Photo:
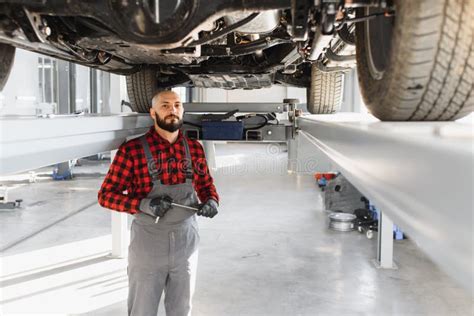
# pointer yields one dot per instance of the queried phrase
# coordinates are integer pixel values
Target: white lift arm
(29, 142)
(420, 174)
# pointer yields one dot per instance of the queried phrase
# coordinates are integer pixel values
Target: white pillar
(292, 147)
(210, 151)
(385, 243)
(120, 233)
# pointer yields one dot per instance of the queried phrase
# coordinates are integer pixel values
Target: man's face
(167, 111)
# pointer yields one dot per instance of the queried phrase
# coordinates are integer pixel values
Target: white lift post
(119, 227)
(210, 152)
(120, 235)
(384, 258)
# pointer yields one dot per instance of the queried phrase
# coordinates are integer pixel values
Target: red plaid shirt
(128, 180)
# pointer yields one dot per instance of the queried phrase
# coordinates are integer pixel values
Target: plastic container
(222, 130)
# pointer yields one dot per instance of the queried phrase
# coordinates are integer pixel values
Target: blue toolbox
(222, 130)
(222, 126)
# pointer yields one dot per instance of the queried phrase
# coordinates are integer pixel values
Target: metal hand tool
(191, 208)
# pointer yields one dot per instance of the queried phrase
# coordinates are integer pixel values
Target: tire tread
(325, 94)
(141, 87)
(433, 72)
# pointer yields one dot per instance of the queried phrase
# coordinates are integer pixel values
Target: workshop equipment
(4, 203)
(222, 130)
(322, 179)
(398, 234)
(63, 170)
(222, 126)
(342, 222)
(366, 222)
(341, 195)
(10, 205)
(367, 219)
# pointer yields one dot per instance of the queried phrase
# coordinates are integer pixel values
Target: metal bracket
(300, 16)
(330, 54)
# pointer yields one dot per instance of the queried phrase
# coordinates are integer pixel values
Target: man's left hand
(208, 209)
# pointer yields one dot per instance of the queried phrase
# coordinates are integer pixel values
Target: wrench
(190, 208)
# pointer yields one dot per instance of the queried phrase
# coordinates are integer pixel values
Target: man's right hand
(160, 205)
(156, 207)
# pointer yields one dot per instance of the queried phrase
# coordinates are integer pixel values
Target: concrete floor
(268, 252)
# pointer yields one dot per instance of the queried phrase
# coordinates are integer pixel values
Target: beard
(171, 126)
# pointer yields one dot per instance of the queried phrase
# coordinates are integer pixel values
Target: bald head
(167, 111)
(165, 95)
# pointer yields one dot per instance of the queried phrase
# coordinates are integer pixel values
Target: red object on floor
(328, 176)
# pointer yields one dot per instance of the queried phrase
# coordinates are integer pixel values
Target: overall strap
(150, 161)
(189, 163)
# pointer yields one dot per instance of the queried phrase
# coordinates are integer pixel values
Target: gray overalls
(163, 255)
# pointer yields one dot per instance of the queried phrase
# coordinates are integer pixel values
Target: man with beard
(147, 175)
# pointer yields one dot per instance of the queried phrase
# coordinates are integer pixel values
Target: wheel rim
(378, 41)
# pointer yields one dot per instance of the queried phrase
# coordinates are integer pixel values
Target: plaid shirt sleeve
(203, 181)
(114, 189)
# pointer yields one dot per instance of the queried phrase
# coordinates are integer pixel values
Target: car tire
(324, 96)
(142, 87)
(418, 65)
(7, 57)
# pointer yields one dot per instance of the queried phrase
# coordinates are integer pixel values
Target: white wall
(21, 93)
(352, 99)
(118, 92)
(83, 88)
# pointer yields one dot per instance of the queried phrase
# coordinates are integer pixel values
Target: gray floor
(268, 252)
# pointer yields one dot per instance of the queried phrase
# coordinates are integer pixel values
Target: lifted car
(415, 59)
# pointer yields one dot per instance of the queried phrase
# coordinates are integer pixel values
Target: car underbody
(237, 44)
(195, 42)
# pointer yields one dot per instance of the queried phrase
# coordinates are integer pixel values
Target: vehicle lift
(419, 174)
